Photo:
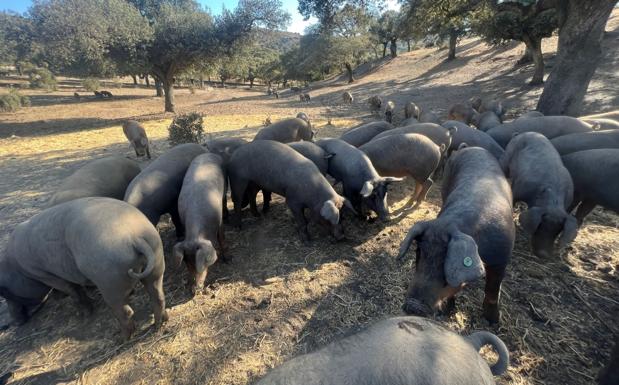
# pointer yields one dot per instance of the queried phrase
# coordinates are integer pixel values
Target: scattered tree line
(176, 40)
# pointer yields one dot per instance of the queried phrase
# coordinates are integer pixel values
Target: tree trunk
(534, 46)
(135, 80)
(146, 80)
(385, 48)
(578, 55)
(453, 40)
(408, 45)
(251, 83)
(394, 47)
(351, 77)
(526, 58)
(168, 86)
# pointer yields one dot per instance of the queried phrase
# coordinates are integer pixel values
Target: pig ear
(367, 189)
(330, 212)
(531, 219)
(570, 230)
(179, 253)
(462, 263)
(414, 233)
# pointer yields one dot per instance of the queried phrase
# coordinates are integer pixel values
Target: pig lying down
(100, 242)
(473, 233)
(396, 351)
(106, 177)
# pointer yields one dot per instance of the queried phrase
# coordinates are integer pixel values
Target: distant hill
(280, 41)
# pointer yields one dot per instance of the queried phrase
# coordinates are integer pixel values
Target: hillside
(278, 297)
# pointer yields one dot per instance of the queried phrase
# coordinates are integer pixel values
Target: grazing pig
(595, 174)
(407, 122)
(347, 97)
(530, 115)
(224, 146)
(438, 134)
(361, 183)
(539, 179)
(404, 155)
(549, 126)
(486, 120)
(567, 144)
(473, 232)
(375, 102)
(488, 105)
(411, 110)
(277, 168)
(136, 135)
(155, 190)
(106, 177)
(472, 137)
(303, 115)
(314, 153)
(389, 109)
(200, 211)
(362, 134)
(428, 116)
(100, 242)
(396, 351)
(462, 112)
(286, 131)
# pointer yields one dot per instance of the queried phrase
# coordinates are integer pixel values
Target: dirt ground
(278, 298)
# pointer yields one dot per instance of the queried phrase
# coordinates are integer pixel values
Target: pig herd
(100, 225)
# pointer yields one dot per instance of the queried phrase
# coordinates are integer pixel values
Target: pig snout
(414, 306)
(337, 231)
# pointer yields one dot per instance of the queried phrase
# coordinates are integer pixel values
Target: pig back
(155, 190)
(395, 351)
(275, 167)
(285, 131)
(107, 177)
(403, 154)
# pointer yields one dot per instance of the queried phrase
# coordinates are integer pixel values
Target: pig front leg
(492, 292)
(583, 210)
(299, 216)
(178, 224)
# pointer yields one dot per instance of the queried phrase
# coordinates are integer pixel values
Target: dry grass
(277, 297)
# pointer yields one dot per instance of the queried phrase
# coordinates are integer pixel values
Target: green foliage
(514, 21)
(326, 10)
(42, 78)
(90, 84)
(186, 128)
(13, 101)
(86, 37)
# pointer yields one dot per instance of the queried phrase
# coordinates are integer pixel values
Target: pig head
(446, 259)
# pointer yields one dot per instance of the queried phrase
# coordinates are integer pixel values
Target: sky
(297, 24)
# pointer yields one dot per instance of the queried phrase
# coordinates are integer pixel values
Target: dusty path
(277, 297)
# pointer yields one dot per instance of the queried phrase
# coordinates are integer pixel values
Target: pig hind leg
(424, 190)
(178, 224)
(492, 291)
(116, 295)
(154, 287)
(238, 187)
(71, 289)
(583, 210)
